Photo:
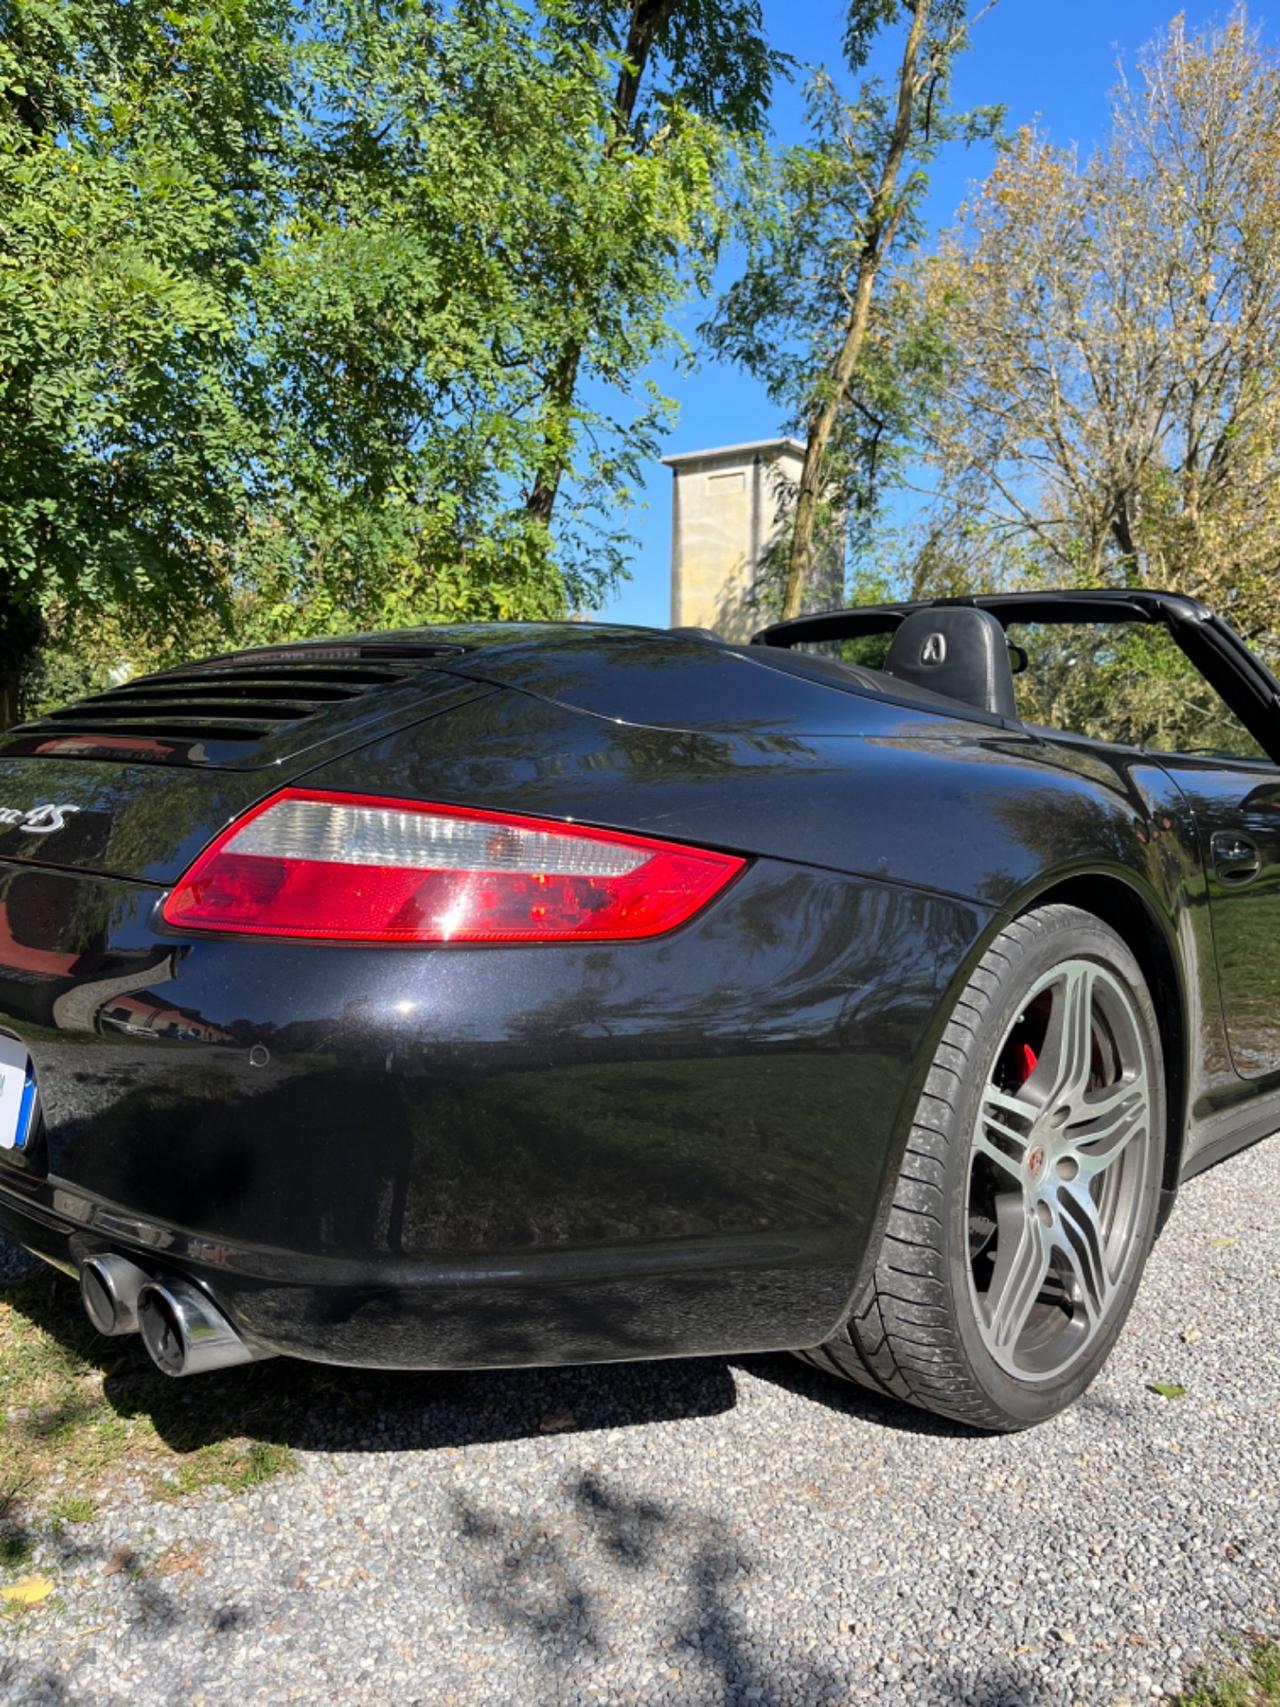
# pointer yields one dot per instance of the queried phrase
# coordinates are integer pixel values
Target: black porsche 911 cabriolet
(533, 994)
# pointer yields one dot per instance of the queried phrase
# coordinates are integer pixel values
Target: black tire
(919, 1330)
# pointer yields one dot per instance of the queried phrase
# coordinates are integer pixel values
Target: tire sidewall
(1063, 934)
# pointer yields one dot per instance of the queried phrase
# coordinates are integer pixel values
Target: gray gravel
(727, 1531)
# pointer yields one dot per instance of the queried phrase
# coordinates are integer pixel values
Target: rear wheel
(1026, 1202)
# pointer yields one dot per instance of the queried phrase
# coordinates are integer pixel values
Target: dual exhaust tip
(183, 1330)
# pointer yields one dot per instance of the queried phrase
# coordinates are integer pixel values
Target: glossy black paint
(149, 818)
(456, 1156)
(459, 1130)
(1235, 805)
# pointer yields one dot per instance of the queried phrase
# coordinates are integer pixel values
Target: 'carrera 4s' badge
(38, 820)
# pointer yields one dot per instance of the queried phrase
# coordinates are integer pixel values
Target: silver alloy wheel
(1058, 1163)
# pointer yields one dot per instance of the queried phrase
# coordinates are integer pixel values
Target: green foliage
(809, 217)
(1123, 682)
(472, 216)
(869, 587)
(132, 142)
(72, 1508)
(285, 288)
(710, 57)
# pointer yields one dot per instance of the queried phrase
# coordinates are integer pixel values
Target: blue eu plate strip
(24, 1112)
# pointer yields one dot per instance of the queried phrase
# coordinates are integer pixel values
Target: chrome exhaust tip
(109, 1288)
(185, 1332)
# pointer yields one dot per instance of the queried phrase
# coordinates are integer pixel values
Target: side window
(1126, 682)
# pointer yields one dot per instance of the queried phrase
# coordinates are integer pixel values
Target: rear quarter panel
(989, 816)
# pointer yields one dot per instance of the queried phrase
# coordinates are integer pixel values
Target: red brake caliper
(1029, 1059)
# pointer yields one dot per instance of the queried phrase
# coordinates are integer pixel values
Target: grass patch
(236, 1465)
(1251, 1678)
(73, 1508)
(78, 1411)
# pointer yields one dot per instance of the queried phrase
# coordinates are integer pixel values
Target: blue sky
(1048, 61)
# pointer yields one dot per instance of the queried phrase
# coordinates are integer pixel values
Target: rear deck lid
(135, 781)
(244, 711)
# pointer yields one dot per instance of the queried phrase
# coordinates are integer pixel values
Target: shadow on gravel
(555, 1586)
(850, 1400)
(555, 1580)
(324, 1408)
(556, 1583)
(328, 1409)
(561, 1583)
(149, 1608)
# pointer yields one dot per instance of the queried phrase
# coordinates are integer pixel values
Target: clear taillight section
(354, 868)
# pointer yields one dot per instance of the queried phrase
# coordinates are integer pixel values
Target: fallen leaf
(28, 1591)
(1167, 1389)
(120, 1560)
(1222, 1241)
(1189, 1336)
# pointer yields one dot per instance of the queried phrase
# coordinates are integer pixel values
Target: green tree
(286, 286)
(137, 157)
(707, 57)
(462, 184)
(1110, 411)
(803, 316)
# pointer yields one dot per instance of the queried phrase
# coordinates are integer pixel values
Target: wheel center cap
(1036, 1159)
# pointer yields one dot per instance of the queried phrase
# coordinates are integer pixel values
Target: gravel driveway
(734, 1530)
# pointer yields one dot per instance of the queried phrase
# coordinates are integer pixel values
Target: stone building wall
(725, 505)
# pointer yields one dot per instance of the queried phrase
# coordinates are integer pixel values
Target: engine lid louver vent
(244, 710)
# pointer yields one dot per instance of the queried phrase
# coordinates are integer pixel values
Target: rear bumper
(589, 1306)
(450, 1158)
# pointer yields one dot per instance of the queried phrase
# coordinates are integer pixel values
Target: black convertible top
(1093, 604)
(1212, 645)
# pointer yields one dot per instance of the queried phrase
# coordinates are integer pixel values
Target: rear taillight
(351, 868)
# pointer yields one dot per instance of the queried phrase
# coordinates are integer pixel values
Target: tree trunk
(21, 630)
(647, 19)
(10, 696)
(882, 223)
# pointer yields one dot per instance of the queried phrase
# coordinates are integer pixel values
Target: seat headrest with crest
(958, 651)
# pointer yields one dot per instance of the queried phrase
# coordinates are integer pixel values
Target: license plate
(17, 1093)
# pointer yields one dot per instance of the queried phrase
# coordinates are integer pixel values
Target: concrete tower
(724, 509)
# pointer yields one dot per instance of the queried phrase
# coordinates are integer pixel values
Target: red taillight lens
(351, 868)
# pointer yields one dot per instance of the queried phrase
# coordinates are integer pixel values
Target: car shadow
(327, 1408)
(547, 1580)
(848, 1399)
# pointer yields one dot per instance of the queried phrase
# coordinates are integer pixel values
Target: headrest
(958, 651)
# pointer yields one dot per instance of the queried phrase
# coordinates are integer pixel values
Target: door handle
(1235, 858)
